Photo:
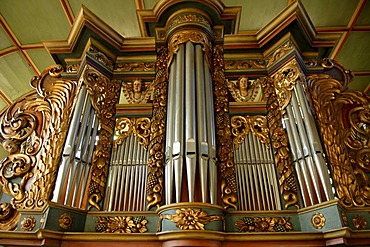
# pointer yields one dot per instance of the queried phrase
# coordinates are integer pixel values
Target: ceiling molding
(350, 26)
(8, 50)
(67, 11)
(5, 97)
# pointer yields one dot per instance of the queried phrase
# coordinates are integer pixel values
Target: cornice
(293, 12)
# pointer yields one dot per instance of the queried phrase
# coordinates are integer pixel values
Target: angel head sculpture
(243, 90)
(136, 91)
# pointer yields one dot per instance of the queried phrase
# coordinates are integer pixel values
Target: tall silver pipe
(274, 179)
(133, 170)
(265, 185)
(145, 179)
(248, 175)
(211, 133)
(314, 141)
(190, 119)
(125, 174)
(306, 149)
(267, 177)
(169, 132)
(262, 178)
(254, 168)
(203, 147)
(297, 142)
(178, 146)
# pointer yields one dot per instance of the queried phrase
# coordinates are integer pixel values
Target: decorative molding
(287, 181)
(100, 56)
(104, 94)
(264, 224)
(135, 67)
(245, 64)
(191, 219)
(318, 220)
(28, 223)
(279, 53)
(121, 224)
(65, 221)
(223, 131)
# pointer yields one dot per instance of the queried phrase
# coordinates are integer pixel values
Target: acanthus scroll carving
(104, 95)
(139, 126)
(33, 132)
(343, 118)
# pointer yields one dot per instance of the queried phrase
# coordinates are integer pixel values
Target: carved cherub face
(137, 86)
(243, 83)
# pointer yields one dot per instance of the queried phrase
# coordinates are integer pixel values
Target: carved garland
(157, 131)
(104, 97)
(264, 224)
(343, 119)
(121, 224)
(287, 181)
(242, 125)
(223, 131)
(33, 132)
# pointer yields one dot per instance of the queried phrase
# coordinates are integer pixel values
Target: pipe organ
(194, 135)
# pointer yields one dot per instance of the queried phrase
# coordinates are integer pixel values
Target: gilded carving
(344, 218)
(187, 18)
(223, 131)
(245, 64)
(359, 222)
(244, 90)
(279, 53)
(9, 217)
(139, 126)
(318, 220)
(242, 125)
(65, 221)
(284, 82)
(191, 219)
(194, 36)
(137, 91)
(28, 223)
(287, 181)
(135, 66)
(157, 131)
(100, 56)
(345, 135)
(121, 224)
(73, 68)
(264, 224)
(104, 95)
(33, 132)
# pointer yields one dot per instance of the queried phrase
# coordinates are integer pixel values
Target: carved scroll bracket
(139, 126)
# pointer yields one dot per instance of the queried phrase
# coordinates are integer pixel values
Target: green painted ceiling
(26, 24)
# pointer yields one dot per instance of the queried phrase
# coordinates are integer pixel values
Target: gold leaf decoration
(65, 221)
(28, 223)
(139, 126)
(121, 224)
(264, 224)
(245, 64)
(318, 220)
(342, 117)
(191, 219)
(9, 217)
(287, 181)
(279, 53)
(135, 66)
(242, 125)
(359, 222)
(104, 95)
(157, 131)
(223, 131)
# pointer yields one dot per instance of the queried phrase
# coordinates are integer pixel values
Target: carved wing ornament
(250, 95)
(136, 98)
(33, 131)
(344, 119)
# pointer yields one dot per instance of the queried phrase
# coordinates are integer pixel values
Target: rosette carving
(242, 125)
(343, 118)
(223, 131)
(104, 95)
(287, 181)
(157, 131)
(33, 131)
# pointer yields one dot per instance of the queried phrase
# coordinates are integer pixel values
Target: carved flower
(65, 221)
(28, 223)
(121, 224)
(359, 222)
(191, 219)
(318, 220)
(264, 224)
